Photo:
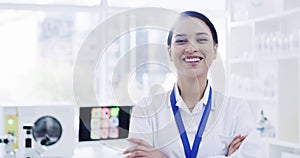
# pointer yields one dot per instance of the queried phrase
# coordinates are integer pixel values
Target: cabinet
(263, 58)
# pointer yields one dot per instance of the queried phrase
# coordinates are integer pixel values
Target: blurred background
(259, 61)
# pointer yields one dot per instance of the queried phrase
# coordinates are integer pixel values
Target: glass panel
(203, 5)
(137, 66)
(39, 50)
(67, 2)
(37, 59)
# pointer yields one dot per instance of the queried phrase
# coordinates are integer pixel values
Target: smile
(192, 59)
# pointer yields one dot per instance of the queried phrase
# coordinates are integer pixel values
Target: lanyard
(187, 149)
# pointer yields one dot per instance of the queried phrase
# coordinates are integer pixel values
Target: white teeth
(192, 59)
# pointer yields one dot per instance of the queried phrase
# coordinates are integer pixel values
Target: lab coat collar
(180, 103)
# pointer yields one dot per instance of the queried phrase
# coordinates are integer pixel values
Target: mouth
(192, 59)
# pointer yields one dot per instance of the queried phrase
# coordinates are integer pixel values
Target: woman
(193, 120)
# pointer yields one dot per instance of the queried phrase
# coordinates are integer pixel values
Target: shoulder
(229, 103)
(152, 105)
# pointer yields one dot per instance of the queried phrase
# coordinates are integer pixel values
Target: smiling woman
(193, 120)
(193, 46)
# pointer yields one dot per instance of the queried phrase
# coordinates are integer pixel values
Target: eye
(180, 41)
(202, 40)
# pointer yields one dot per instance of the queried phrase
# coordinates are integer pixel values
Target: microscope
(8, 140)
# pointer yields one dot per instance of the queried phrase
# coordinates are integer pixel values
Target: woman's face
(192, 48)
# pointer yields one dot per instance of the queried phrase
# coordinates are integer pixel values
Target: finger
(136, 148)
(132, 156)
(238, 139)
(139, 142)
(137, 154)
(235, 140)
(125, 152)
(233, 148)
(128, 156)
(140, 154)
(237, 146)
(244, 137)
(241, 139)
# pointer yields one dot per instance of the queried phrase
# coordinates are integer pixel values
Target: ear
(215, 51)
(170, 53)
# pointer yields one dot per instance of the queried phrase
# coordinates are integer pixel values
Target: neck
(192, 90)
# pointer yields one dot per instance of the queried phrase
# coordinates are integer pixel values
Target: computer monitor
(104, 122)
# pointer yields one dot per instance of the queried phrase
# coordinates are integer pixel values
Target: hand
(235, 144)
(142, 150)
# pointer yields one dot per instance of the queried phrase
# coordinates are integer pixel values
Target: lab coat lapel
(217, 106)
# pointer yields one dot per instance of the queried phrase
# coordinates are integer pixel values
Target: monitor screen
(103, 123)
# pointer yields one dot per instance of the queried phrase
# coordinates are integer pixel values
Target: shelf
(241, 23)
(275, 142)
(263, 58)
(264, 18)
(258, 98)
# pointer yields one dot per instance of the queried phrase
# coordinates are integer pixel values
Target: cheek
(175, 52)
(177, 49)
(208, 51)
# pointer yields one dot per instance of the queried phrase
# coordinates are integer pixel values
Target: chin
(194, 73)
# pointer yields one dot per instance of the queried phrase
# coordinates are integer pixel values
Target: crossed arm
(240, 147)
(144, 150)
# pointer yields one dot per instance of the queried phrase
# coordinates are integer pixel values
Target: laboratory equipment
(52, 132)
(8, 140)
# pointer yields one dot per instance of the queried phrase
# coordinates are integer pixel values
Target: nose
(191, 48)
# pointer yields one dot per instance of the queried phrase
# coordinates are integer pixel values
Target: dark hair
(199, 16)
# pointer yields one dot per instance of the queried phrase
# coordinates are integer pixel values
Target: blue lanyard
(187, 149)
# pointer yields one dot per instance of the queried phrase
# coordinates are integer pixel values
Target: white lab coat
(153, 121)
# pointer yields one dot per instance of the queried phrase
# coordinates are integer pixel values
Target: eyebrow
(198, 34)
(180, 35)
(202, 33)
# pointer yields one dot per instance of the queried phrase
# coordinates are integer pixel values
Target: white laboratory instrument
(51, 134)
(8, 140)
